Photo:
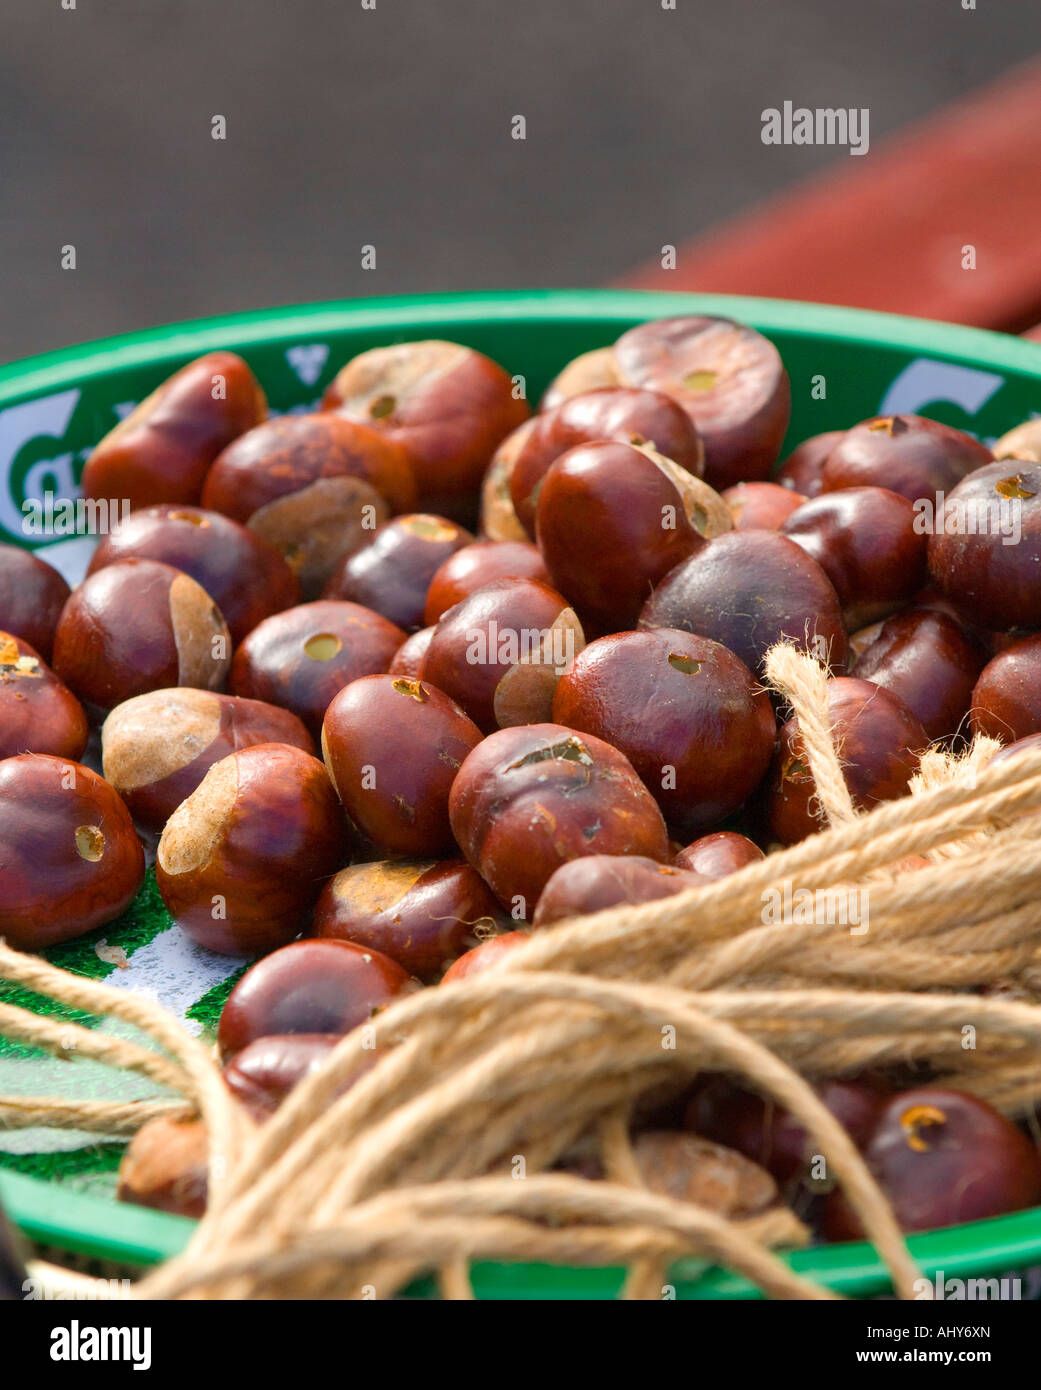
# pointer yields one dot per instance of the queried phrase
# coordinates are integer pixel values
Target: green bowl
(844, 364)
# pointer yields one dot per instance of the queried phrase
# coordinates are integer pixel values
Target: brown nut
(38, 714)
(32, 595)
(719, 854)
(929, 659)
(315, 486)
(501, 652)
(685, 711)
(139, 625)
(473, 566)
(748, 590)
(162, 450)
(157, 748)
(392, 574)
(409, 657)
(878, 741)
(528, 799)
(69, 857)
(299, 659)
(309, 987)
(262, 1075)
(620, 414)
(446, 405)
(421, 913)
(486, 956)
(905, 453)
(803, 468)
(498, 520)
(393, 747)
(729, 379)
(612, 520)
(605, 880)
(246, 577)
(868, 543)
(690, 1169)
(590, 371)
(761, 506)
(241, 862)
(165, 1167)
(1006, 700)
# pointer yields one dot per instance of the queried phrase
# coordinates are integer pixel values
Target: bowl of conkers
(345, 648)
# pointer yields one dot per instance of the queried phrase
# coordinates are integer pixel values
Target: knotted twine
(443, 1153)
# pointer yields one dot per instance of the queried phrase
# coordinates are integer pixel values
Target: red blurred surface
(886, 230)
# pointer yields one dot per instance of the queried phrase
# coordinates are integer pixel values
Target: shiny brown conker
(612, 521)
(906, 453)
(866, 541)
(300, 658)
(446, 405)
(769, 1134)
(245, 576)
(162, 450)
(70, 859)
(422, 913)
(315, 486)
(528, 799)
(685, 711)
(166, 1167)
(392, 575)
(802, 469)
(393, 747)
(930, 661)
(409, 657)
(943, 1157)
(138, 625)
(500, 652)
(601, 881)
(878, 741)
(38, 713)
(262, 1075)
(242, 861)
(719, 854)
(474, 566)
(32, 595)
(985, 549)
(314, 986)
(157, 748)
(748, 590)
(728, 378)
(761, 506)
(1006, 700)
(486, 956)
(621, 414)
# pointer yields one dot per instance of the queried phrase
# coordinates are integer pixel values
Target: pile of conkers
(400, 681)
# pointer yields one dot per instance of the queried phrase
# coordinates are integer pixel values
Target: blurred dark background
(391, 126)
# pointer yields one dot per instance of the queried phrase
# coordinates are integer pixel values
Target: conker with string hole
(70, 859)
(393, 747)
(422, 913)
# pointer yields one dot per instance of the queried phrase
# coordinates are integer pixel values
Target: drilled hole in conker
(90, 843)
(700, 381)
(323, 646)
(411, 688)
(686, 664)
(1012, 487)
